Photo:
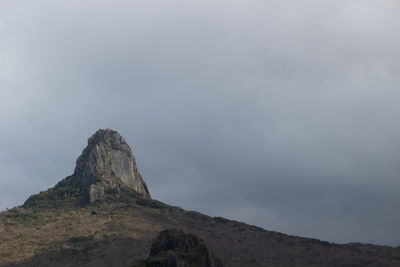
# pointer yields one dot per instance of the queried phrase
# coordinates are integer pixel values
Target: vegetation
(181, 249)
(56, 197)
(66, 196)
(47, 232)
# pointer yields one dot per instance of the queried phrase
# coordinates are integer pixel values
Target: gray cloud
(276, 113)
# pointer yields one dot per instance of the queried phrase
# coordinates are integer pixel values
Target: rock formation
(107, 166)
(174, 248)
(108, 161)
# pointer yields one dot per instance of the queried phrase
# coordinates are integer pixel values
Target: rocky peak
(108, 160)
(105, 170)
(107, 153)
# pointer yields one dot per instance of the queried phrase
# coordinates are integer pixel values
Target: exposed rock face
(174, 248)
(106, 170)
(108, 161)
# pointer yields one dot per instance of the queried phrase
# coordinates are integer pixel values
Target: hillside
(96, 218)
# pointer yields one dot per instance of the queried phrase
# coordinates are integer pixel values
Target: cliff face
(108, 161)
(106, 168)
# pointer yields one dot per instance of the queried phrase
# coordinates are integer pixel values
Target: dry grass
(121, 234)
(25, 233)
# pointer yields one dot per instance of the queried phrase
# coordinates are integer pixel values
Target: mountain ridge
(76, 223)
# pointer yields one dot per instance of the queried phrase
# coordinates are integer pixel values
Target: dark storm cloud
(277, 113)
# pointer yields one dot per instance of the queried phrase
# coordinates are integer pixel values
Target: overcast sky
(282, 114)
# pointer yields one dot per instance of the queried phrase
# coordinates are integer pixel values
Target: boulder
(175, 248)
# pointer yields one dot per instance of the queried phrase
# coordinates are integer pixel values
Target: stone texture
(96, 191)
(106, 170)
(107, 162)
(174, 248)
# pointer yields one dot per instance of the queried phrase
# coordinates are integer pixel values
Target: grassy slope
(122, 232)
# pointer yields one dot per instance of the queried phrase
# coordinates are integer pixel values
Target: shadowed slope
(175, 248)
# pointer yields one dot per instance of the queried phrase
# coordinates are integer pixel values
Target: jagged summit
(107, 152)
(108, 156)
(105, 168)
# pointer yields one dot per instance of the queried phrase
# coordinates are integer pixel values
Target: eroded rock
(105, 169)
(175, 248)
(108, 159)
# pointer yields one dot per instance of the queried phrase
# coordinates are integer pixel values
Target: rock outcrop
(108, 161)
(174, 248)
(106, 169)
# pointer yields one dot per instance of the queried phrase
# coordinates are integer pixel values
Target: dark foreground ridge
(174, 248)
(102, 215)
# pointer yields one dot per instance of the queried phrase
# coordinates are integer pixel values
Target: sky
(281, 114)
